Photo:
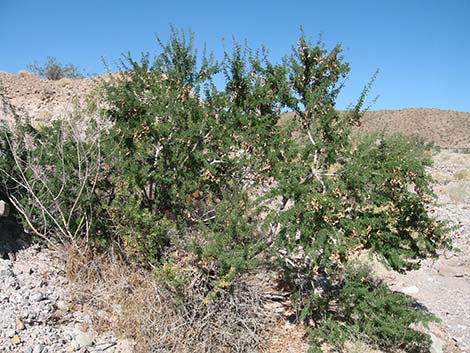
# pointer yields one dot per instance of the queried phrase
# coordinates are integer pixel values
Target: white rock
(37, 297)
(410, 290)
(125, 346)
(4, 209)
(437, 344)
(38, 348)
(10, 333)
(62, 305)
(84, 339)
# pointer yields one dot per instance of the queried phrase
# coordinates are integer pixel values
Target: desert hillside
(446, 128)
(45, 99)
(41, 99)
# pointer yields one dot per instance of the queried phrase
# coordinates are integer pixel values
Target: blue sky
(422, 47)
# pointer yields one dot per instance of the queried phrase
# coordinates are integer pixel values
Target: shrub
(53, 70)
(186, 168)
(50, 176)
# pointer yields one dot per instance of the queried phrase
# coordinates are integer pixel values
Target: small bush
(53, 70)
(165, 310)
(50, 176)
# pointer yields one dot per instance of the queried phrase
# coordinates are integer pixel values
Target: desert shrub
(188, 168)
(231, 240)
(390, 191)
(6, 157)
(194, 147)
(141, 232)
(53, 70)
(50, 177)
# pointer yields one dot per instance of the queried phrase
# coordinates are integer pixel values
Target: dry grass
(447, 157)
(462, 175)
(452, 175)
(457, 192)
(168, 317)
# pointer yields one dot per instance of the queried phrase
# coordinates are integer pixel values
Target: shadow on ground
(12, 237)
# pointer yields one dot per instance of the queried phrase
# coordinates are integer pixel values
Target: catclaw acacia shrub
(229, 236)
(340, 195)
(185, 153)
(214, 174)
(142, 233)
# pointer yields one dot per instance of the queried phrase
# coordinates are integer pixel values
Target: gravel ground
(35, 314)
(443, 285)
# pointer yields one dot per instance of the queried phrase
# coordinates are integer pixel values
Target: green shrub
(390, 191)
(142, 233)
(184, 166)
(53, 70)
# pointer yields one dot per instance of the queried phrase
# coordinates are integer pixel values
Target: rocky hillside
(445, 128)
(40, 99)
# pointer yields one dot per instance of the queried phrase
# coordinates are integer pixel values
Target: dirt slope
(40, 99)
(445, 128)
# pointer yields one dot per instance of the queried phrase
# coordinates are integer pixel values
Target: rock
(37, 297)
(39, 348)
(437, 344)
(16, 339)
(70, 348)
(410, 290)
(19, 325)
(125, 346)
(84, 339)
(10, 333)
(62, 305)
(4, 209)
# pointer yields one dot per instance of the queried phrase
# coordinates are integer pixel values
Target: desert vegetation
(52, 69)
(194, 189)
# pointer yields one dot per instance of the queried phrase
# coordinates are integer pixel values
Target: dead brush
(138, 304)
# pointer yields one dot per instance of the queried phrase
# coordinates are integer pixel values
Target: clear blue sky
(422, 47)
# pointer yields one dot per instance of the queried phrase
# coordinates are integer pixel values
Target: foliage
(142, 233)
(53, 70)
(50, 175)
(363, 307)
(391, 195)
(231, 238)
(217, 175)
